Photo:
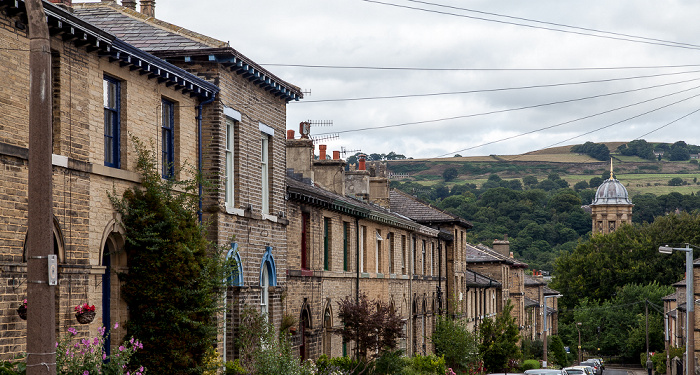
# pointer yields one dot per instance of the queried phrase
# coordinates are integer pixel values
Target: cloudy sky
(467, 69)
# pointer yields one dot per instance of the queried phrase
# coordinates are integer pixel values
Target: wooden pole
(41, 321)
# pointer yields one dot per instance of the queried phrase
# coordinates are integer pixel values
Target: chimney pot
(336, 155)
(148, 8)
(131, 4)
(322, 152)
(290, 134)
(361, 164)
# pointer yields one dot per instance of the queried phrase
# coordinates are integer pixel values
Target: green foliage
(556, 347)
(390, 362)
(530, 364)
(638, 147)
(531, 349)
(597, 151)
(498, 340)
(617, 326)
(16, 367)
(450, 174)
(455, 343)
(341, 365)
(676, 181)
(234, 368)
(427, 364)
(172, 288)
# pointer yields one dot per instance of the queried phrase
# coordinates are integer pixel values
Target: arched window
(235, 272)
(268, 278)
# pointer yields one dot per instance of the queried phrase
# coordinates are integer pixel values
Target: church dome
(611, 191)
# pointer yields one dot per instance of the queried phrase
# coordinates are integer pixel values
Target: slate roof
(422, 212)
(132, 27)
(171, 42)
(478, 280)
(549, 291)
(483, 254)
(312, 194)
(532, 281)
(529, 303)
(670, 297)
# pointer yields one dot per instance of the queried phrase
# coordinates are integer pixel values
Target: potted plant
(84, 313)
(22, 310)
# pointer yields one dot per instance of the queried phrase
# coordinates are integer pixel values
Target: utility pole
(646, 317)
(578, 328)
(41, 321)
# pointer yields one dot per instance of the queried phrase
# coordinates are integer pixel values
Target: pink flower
(104, 356)
(116, 325)
(121, 348)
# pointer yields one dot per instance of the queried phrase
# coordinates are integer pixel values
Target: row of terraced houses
(304, 229)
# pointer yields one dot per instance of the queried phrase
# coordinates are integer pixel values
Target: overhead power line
(553, 24)
(665, 44)
(511, 109)
(672, 122)
(579, 119)
(366, 67)
(488, 90)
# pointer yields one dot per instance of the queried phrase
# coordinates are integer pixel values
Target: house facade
(243, 152)
(343, 243)
(105, 94)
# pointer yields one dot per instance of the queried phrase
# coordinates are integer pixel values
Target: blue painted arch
(236, 277)
(268, 261)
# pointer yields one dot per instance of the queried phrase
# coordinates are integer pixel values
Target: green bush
(391, 362)
(13, 368)
(530, 364)
(428, 364)
(345, 365)
(234, 368)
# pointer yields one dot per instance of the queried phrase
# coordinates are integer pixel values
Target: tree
(530, 181)
(172, 288)
(596, 181)
(453, 340)
(557, 348)
(450, 174)
(371, 324)
(581, 185)
(676, 181)
(499, 340)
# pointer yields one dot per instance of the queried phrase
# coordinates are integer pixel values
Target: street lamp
(689, 303)
(578, 328)
(544, 360)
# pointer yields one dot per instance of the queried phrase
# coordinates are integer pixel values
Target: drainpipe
(199, 151)
(357, 259)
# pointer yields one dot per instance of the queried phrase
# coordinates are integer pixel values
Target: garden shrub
(173, 285)
(530, 364)
(428, 364)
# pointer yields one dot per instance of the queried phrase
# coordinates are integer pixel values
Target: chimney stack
(290, 134)
(148, 8)
(361, 164)
(322, 152)
(131, 4)
(336, 155)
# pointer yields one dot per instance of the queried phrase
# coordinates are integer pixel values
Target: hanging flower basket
(22, 310)
(85, 313)
(86, 317)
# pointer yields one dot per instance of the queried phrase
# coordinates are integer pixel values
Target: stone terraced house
(105, 90)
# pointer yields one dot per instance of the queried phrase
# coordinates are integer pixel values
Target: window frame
(265, 172)
(167, 138)
(229, 163)
(113, 139)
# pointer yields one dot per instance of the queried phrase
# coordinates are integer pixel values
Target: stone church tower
(611, 206)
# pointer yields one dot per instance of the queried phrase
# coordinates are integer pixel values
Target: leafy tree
(453, 340)
(499, 340)
(556, 347)
(676, 181)
(173, 285)
(679, 151)
(596, 181)
(581, 185)
(450, 174)
(597, 151)
(371, 324)
(530, 181)
(638, 147)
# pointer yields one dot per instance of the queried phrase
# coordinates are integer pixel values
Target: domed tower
(611, 205)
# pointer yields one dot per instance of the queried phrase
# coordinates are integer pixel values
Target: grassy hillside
(638, 175)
